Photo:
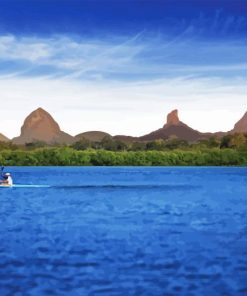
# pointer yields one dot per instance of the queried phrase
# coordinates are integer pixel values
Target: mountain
(40, 126)
(174, 127)
(241, 125)
(3, 138)
(93, 136)
(126, 139)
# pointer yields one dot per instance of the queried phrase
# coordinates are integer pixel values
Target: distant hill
(126, 139)
(174, 127)
(3, 138)
(181, 131)
(93, 136)
(40, 126)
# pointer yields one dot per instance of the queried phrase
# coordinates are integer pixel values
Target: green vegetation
(228, 151)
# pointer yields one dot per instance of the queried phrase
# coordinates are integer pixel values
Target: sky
(120, 66)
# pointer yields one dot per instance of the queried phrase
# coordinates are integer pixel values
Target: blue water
(124, 231)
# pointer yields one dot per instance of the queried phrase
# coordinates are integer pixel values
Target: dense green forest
(229, 150)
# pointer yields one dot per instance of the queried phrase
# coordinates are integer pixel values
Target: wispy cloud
(68, 56)
(135, 58)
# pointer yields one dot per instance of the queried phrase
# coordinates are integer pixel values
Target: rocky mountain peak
(172, 118)
(40, 126)
(40, 121)
(241, 125)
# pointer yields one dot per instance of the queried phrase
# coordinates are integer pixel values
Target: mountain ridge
(39, 125)
(174, 127)
(95, 136)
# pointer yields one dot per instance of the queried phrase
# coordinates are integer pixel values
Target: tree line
(228, 150)
(233, 141)
(66, 156)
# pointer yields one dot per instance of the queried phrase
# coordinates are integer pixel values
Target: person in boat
(7, 179)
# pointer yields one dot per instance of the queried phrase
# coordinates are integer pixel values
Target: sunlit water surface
(124, 231)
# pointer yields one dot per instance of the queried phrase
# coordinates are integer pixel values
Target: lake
(124, 231)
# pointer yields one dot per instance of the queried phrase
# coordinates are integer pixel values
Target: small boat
(5, 185)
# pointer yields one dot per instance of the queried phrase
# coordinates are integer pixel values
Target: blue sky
(85, 17)
(92, 63)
